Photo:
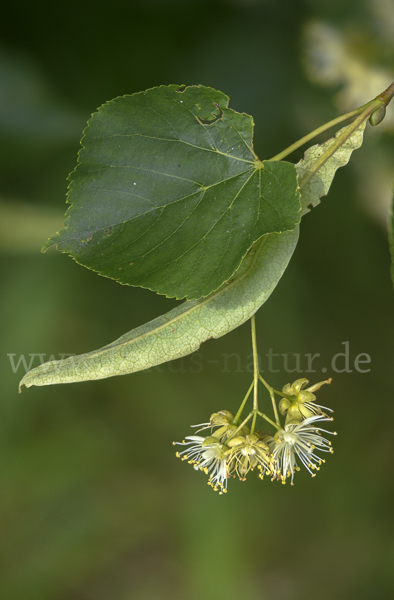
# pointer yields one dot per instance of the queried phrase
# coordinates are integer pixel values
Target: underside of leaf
(181, 331)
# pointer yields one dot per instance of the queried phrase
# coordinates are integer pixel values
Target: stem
(345, 135)
(272, 395)
(256, 372)
(283, 395)
(387, 95)
(240, 427)
(239, 413)
(382, 100)
(253, 422)
(316, 132)
(269, 420)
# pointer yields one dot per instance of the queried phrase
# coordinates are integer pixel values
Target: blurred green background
(93, 503)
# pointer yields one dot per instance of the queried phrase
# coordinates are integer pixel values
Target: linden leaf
(169, 194)
(182, 330)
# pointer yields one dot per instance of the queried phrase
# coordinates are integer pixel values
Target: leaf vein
(239, 133)
(201, 240)
(180, 140)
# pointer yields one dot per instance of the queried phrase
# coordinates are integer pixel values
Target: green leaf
(320, 183)
(391, 235)
(181, 331)
(169, 194)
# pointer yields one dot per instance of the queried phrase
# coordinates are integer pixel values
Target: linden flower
(299, 439)
(207, 455)
(219, 419)
(302, 403)
(246, 453)
(223, 420)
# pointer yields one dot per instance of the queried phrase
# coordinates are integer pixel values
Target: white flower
(299, 439)
(206, 454)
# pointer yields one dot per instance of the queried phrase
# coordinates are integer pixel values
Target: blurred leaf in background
(93, 503)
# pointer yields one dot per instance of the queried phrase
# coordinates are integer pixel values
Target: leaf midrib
(150, 137)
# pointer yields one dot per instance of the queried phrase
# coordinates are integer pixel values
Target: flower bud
(223, 417)
(377, 116)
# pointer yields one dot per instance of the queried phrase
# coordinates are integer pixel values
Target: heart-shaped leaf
(169, 194)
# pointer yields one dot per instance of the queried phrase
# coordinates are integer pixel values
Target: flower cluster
(232, 451)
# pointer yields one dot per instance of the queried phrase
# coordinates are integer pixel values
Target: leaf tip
(22, 383)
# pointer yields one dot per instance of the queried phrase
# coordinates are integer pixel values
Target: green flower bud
(223, 417)
(377, 116)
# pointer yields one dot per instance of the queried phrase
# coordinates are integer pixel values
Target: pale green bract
(182, 330)
(320, 183)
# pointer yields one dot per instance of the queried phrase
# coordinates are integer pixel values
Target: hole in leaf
(215, 117)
